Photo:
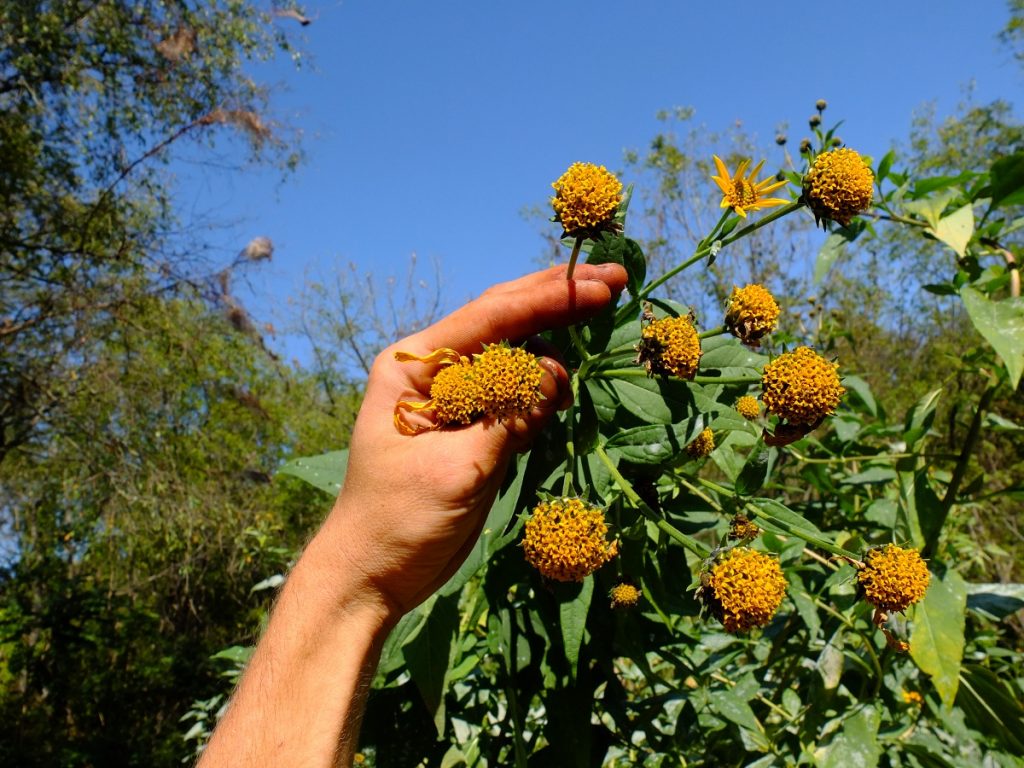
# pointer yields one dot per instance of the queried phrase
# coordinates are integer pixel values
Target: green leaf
(833, 247)
(326, 471)
(776, 517)
(937, 638)
(919, 420)
(956, 228)
(1002, 325)
(572, 614)
(628, 253)
(756, 470)
(991, 708)
(1006, 186)
(428, 654)
(728, 356)
(657, 443)
(871, 475)
(862, 390)
(995, 601)
(884, 165)
(856, 746)
(734, 709)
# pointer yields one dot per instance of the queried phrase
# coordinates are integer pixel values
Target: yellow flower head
(893, 578)
(586, 198)
(670, 346)
(565, 539)
(801, 387)
(703, 444)
(838, 186)
(509, 379)
(624, 595)
(748, 407)
(457, 394)
(912, 697)
(752, 312)
(743, 193)
(744, 589)
(740, 527)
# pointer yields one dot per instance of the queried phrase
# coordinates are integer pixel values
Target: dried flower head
(743, 589)
(748, 407)
(838, 186)
(752, 312)
(703, 444)
(801, 387)
(821, 105)
(565, 539)
(805, 146)
(744, 193)
(586, 198)
(669, 346)
(624, 595)
(509, 379)
(893, 578)
(740, 528)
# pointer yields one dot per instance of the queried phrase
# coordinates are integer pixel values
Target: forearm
(301, 699)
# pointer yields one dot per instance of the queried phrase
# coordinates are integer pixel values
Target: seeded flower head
(744, 589)
(624, 595)
(670, 346)
(838, 186)
(801, 387)
(586, 198)
(509, 380)
(566, 540)
(752, 312)
(744, 193)
(748, 407)
(703, 444)
(893, 578)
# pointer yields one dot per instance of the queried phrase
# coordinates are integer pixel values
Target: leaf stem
(712, 332)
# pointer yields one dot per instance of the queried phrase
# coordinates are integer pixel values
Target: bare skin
(408, 515)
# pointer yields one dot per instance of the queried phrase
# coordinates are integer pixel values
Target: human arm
(408, 515)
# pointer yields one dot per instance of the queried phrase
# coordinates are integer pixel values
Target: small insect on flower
(742, 192)
(801, 387)
(565, 539)
(702, 445)
(751, 313)
(586, 199)
(743, 589)
(748, 407)
(669, 346)
(892, 578)
(838, 186)
(624, 595)
(502, 382)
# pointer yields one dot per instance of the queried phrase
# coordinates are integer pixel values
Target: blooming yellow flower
(748, 407)
(912, 697)
(743, 193)
(744, 589)
(801, 387)
(624, 595)
(457, 394)
(509, 378)
(893, 578)
(752, 312)
(703, 444)
(586, 198)
(838, 186)
(670, 346)
(565, 539)
(740, 527)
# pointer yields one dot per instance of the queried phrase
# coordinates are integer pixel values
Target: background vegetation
(143, 416)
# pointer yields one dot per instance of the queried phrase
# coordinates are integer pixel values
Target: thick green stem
(711, 332)
(572, 259)
(809, 537)
(663, 525)
(570, 440)
(573, 333)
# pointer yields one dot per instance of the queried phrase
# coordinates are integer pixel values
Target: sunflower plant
(725, 552)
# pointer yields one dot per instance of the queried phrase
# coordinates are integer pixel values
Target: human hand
(412, 506)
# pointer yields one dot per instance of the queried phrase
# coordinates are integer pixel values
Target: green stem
(573, 333)
(570, 443)
(810, 538)
(663, 525)
(878, 456)
(572, 259)
(712, 332)
(725, 380)
(710, 501)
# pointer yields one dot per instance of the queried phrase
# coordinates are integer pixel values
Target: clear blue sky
(429, 126)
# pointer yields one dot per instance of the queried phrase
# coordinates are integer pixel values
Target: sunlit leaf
(937, 638)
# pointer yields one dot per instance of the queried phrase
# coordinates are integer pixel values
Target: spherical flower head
(457, 394)
(670, 346)
(744, 589)
(742, 192)
(509, 380)
(740, 528)
(702, 445)
(586, 198)
(801, 387)
(624, 595)
(565, 539)
(748, 407)
(912, 697)
(838, 186)
(893, 578)
(752, 312)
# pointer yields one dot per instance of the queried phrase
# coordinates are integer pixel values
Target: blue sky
(427, 127)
